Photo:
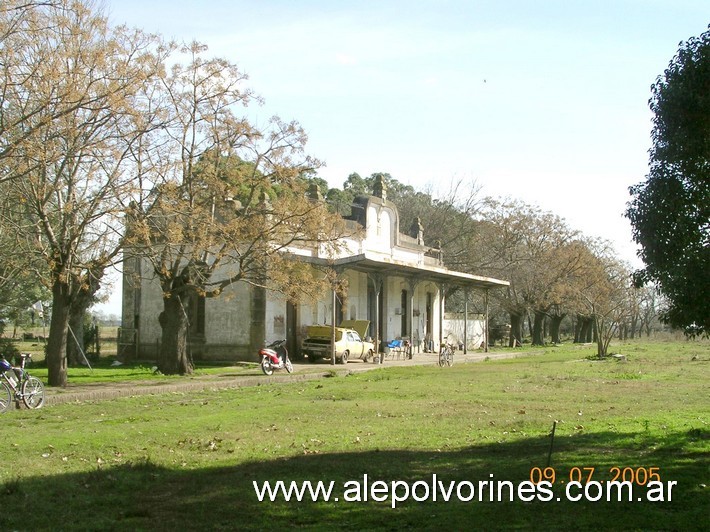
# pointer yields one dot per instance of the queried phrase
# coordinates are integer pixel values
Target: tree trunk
(173, 358)
(583, 330)
(81, 301)
(530, 326)
(601, 346)
(555, 323)
(634, 327)
(75, 342)
(538, 329)
(58, 332)
(516, 329)
(604, 331)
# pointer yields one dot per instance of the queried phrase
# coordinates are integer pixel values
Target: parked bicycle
(446, 355)
(18, 385)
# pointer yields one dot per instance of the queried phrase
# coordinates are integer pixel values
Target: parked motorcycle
(274, 357)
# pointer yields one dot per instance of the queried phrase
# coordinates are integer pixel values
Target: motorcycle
(274, 357)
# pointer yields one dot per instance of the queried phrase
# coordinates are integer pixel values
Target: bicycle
(446, 355)
(18, 384)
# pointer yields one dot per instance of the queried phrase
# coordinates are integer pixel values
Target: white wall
(454, 328)
(227, 317)
(381, 228)
(151, 305)
(275, 326)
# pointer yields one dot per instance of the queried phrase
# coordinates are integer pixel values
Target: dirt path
(302, 372)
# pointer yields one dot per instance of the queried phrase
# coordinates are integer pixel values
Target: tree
(227, 203)
(538, 254)
(604, 293)
(449, 218)
(341, 200)
(670, 211)
(648, 309)
(71, 120)
(20, 286)
(505, 222)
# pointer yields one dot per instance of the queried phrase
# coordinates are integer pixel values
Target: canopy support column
(442, 295)
(465, 320)
(485, 321)
(377, 288)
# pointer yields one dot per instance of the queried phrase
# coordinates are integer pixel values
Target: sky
(543, 101)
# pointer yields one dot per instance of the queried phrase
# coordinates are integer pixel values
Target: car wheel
(344, 357)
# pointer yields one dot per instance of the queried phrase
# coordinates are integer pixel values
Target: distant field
(32, 340)
(188, 461)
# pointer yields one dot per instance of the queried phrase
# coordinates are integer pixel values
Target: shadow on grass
(144, 496)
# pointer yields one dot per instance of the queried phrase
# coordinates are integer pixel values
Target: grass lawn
(104, 372)
(188, 461)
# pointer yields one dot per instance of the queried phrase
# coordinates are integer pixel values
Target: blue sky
(544, 101)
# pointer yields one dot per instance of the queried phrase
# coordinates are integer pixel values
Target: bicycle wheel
(450, 358)
(442, 357)
(33, 393)
(5, 398)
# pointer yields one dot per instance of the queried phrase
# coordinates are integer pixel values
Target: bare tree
(228, 203)
(70, 121)
(535, 251)
(605, 293)
(648, 309)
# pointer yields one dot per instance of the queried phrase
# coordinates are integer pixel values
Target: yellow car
(349, 342)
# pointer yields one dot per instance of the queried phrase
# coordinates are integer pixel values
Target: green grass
(104, 372)
(187, 461)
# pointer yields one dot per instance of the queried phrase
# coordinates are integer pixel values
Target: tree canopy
(228, 202)
(101, 125)
(670, 210)
(70, 119)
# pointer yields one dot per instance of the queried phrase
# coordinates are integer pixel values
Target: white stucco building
(394, 280)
